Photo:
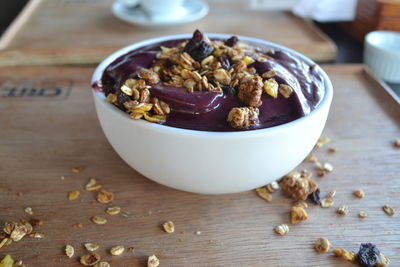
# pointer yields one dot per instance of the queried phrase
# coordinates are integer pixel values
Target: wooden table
(44, 133)
(85, 31)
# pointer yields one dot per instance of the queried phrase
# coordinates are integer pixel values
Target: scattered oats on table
(362, 214)
(389, 210)
(99, 220)
(29, 210)
(359, 193)
(91, 246)
(197, 233)
(327, 203)
(90, 259)
(102, 264)
(344, 254)
(343, 210)
(73, 195)
(332, 150)
(37, 235)
(298, 185)
(322, 141)
(311, 158)
(300, 203)
(105, 197)
(264, 193)
(331, 194)
(76, 169)
(273, 186)
(298, 214)
(153, 261)
(397, 143)
(322, 245)
(169, 227)
(92, 185)
(282, 229)
(326, 167)
(69, 251)
(117, 250)
(114, 210)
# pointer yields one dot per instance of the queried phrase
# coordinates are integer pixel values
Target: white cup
(163, 8)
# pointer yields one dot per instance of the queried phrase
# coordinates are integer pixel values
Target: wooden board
(45, 134)
(82, 31)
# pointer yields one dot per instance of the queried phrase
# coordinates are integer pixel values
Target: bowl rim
(382, 34)
(324, 104)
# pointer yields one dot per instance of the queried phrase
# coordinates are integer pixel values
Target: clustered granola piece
(322, 245)
(242, 118)
(117, 250)
(298, 214)
(343, 210)
(298, 185)
(200, 64)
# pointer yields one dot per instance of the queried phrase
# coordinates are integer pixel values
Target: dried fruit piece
(298, 214)
(114, 210)
(326, 203)
(7, 261)
(36, 222)
(91, 246)
(90, 259)
(368, 255)
(282, 229)
(73, 195)
(169, 227)
(99, 220)
(389, 210)
(322, 245)
(232, 41)
(105, 197)
(314, 197)
(343, 210)
(332, 150)
(359, 193)
(271, 87)
(344, 254)
(117, 250)
(197, 47)
(153, 261)
(264, 193)
(69, 251)
(229, 90)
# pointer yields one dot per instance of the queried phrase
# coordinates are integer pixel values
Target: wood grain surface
(44, 133)
(85, 31)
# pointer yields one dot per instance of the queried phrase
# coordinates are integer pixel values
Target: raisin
(121, 99)
(231, 41)
(314, 197)
(197, 47)
(368, 255)
(229, 90)
(225, 62)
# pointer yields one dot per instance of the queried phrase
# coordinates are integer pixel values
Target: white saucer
(191, 10)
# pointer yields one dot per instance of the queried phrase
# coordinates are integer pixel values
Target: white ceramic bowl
(382, 54)
(210, 162)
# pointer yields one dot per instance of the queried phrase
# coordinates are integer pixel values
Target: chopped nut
(343, 210)
(311, 158)
(298, 185)
(332, 150)
(271, 87)
(102, 264)
(29, 210)
(264, 193)
(359, 193)
(92, 185)
(7, 261)
(298, 214)
(322, 245)
(282, 229)
(389, 210)
(77, 169)
(105, 197)
(90, 259)
(91, 246)
(169, 227)
(397, 143)
(327, 203)
(331, 194)
(243, 118)
(153, 261)
(250, 90)
(73, 195)
(69, 251)
(344, 254)
(99, 220)
(362, 214)
(272, 187)
(285, 90)
(117, 250)
(113, 210)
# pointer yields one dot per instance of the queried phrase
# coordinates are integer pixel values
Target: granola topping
(282, 229)
(322, 245)
(298, 214)
(298, 185)
(197, 79)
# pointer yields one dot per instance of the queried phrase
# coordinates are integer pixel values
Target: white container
(382, 54)
(210, 162)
